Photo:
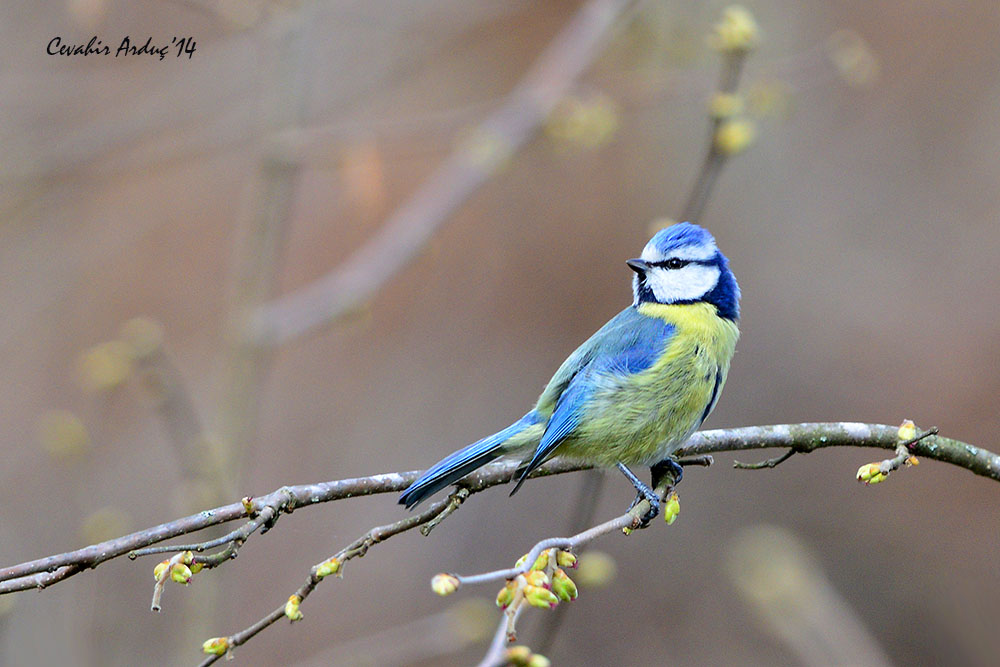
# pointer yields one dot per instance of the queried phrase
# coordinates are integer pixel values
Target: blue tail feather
(455, 466)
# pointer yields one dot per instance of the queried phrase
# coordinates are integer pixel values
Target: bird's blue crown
(681, 235)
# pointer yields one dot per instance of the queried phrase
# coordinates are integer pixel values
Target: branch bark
(802, 438)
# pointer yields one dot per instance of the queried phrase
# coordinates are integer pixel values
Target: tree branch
(264, 511)
(802, 438)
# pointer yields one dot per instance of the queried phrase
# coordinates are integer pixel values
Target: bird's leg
(644, 492)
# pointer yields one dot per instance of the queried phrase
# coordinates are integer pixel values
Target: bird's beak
(640, 266)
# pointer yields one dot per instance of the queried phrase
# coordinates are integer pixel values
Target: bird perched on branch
(636, 390)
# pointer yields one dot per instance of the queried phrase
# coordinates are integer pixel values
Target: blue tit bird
(636, 390)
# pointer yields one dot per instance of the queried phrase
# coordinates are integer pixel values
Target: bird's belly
(641, 418)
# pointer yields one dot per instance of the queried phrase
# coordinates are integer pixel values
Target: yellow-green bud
(912, 461)
(247, 504)
(292, 610)
(563, 586)
(725, 105)
(907, 430)
(197, 567)
(734, 136)
(181, 573)
(537, 578)
(517, 655)
(736, 32)
(160, 568)
(871, 473)
(540, 597)
(671, 509)
(506, 594)
(445, 584)
(328, 567)
(540, 563)
(566, 559)
(538, 660)
(215, 645)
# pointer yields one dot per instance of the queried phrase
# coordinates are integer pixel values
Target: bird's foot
(668, 466)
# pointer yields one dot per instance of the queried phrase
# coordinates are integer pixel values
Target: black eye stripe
(677, 263)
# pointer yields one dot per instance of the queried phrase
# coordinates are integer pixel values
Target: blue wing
(629, 343)
(638, 337)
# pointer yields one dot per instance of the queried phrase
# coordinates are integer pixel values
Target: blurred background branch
(792, 598)
(482, 152)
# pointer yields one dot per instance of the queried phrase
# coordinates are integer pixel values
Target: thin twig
(628, 520)
(360, 546)
(455, 501)
(266, 516)
(163, 578)
(47, 578)
(904, 453)
(501, 638)
(926, 434)
(356, 549)
(584, 508)
(505, 633)
(703, 460)
(767, 463)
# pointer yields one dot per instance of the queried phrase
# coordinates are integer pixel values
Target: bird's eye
(675, 263)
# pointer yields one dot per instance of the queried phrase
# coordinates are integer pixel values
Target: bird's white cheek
(687, 284)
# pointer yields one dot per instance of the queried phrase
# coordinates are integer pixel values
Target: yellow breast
(700, 320)
(642, 418)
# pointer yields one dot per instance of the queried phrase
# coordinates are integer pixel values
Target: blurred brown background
(862, 226)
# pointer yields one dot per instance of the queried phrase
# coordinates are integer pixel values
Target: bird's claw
(667, 466)
(654, 506)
